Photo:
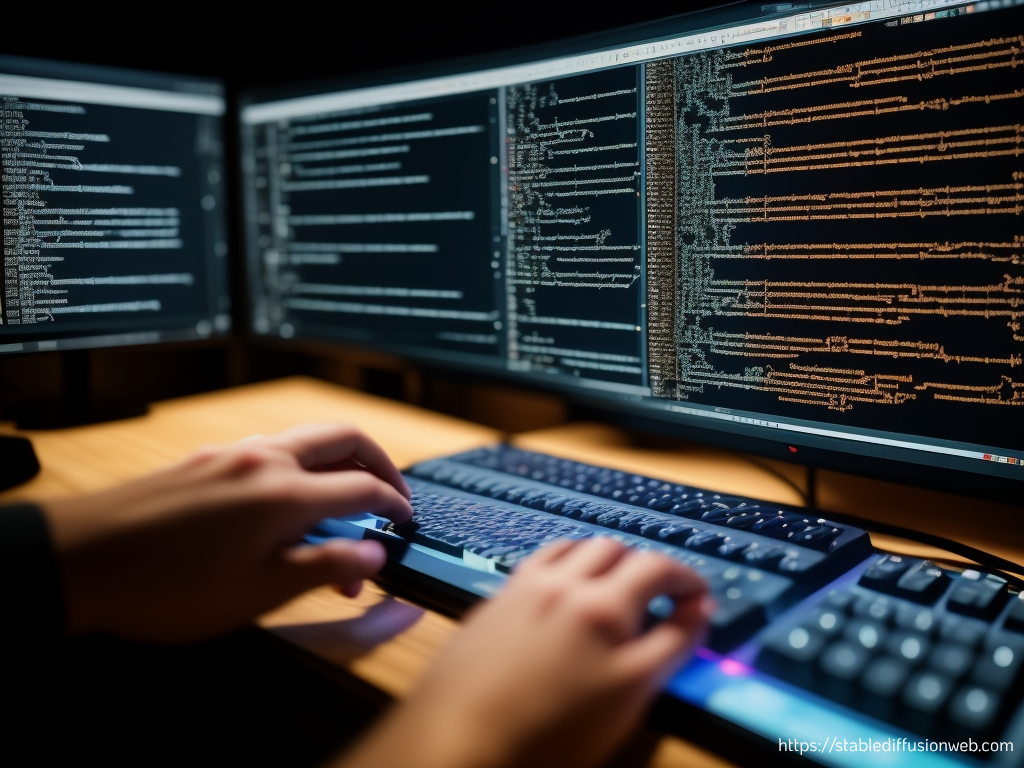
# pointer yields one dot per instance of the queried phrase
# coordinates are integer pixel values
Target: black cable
(991, 563)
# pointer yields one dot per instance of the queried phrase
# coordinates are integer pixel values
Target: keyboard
(499, 504)
(936, 652)
(811, 622)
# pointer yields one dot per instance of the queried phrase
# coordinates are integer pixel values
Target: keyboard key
(791, 563)
(692, 508)
(632, 522)
(917, 619)
(1015, 618)
(555, 503)
(780, 526)
(762, 556)
(535, 499)
(678, 534)
(966, 632)
(880, 609)
(840, 665)
(922, 583)
(974, 707)
(884, 676)
(978, 595)
(910, 647)
(842, 601)
(744, 516)
(951, 660)
(817, 534)
(880, 684)
(867, 633)
(573, 508)
(999, 664)
(789, 653)
(653, 529)
(515, 493)
(927, 691)
(705, 541)
(830, 621)
(843, 660)
(732, 549)
(885, 572)
(735, 619)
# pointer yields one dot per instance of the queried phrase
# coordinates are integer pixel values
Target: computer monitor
(783, 228)
(114, 221)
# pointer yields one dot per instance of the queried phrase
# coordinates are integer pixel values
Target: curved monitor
(776, 227)
(114, 221)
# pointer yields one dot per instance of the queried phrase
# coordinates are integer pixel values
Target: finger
(340, 466)
(656, 655)
(203, 455)
(593, 557)
(642, 576)
(320, 445)
(545, 556)
(338, 561)
(346, 493)
(352, 589)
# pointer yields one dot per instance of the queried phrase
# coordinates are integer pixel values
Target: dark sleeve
(31, 594)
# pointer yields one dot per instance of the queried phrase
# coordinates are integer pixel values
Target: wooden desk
(97, 456)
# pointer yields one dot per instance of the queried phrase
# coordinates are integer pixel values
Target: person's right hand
(207, 545)
(555, 671)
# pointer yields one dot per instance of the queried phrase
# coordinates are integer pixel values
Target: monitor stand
(77, 404)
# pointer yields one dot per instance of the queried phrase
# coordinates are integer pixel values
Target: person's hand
(209, 544)
(555, 671)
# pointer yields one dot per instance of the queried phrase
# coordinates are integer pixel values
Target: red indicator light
(792, 449)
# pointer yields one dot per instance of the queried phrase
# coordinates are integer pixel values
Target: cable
(998, 566)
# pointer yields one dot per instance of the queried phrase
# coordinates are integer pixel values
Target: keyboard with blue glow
(806, 606)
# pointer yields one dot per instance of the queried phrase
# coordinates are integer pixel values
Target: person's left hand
(207, 545)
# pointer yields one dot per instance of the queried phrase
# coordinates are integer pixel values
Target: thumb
(339, 561)
(658, 653)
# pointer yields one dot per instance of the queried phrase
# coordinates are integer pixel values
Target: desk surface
(385, 641)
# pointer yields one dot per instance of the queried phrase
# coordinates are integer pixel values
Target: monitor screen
(793, 225)
(114, 224)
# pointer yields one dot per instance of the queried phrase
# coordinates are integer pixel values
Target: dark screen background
(437, 163)
(825, 340)
(137, 137)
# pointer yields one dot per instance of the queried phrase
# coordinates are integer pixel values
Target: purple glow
(733, 667)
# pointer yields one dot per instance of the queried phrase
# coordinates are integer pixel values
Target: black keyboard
(730, 529)
(934, 651)
(805, 600)
(500, 504)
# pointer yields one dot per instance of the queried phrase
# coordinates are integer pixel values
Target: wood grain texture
(89, 458)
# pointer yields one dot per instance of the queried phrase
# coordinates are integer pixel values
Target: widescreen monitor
(764, 225)
(114, 209)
